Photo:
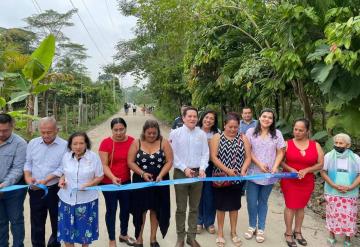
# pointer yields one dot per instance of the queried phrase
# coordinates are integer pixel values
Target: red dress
(297, 192)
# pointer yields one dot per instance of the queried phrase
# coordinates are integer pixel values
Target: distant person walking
(126, 108)
(134, 109)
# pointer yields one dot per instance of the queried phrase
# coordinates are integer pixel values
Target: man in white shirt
(43, 159)
(191, 157)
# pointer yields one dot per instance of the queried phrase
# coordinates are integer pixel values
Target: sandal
(291, 243)
(199, 229)
(249, 233)
(211, 229)
(260, 236)
(347, 243)
(220, 242)
(300, 240)
(236, 240)
(331, 242)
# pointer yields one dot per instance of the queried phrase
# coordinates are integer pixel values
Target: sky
(109, 27)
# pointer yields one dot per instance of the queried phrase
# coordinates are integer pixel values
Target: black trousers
(39, 208)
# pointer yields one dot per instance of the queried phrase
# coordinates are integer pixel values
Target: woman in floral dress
(78, 209)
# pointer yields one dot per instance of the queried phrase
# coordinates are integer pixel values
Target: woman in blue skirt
(78, 209)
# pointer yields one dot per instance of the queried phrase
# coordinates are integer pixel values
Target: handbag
(220, 184)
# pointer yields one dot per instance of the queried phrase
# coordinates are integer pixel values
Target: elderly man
(12, 156)
(191, 157)
(43, 159)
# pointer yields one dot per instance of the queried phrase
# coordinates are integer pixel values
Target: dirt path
(314, 227)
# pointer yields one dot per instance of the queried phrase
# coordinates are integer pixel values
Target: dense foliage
(299, 57)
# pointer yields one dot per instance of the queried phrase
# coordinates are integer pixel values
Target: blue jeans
(111, 200)
(12, 210)
(257, 203)
(206, 215)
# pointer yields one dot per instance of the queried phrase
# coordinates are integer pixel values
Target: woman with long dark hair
(206, 217)
(267, 145)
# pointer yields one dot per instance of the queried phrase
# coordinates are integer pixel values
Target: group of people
(128, 106)
(196, 148)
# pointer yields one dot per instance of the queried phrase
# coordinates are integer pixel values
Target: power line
(108, 10)
(93, 20)
(91, 38)
(36, 3)
(39, 10)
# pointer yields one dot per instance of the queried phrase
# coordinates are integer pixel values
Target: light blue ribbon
(23, 186)
(134, 186)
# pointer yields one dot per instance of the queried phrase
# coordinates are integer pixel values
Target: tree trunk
(304, 101)
(30, 111)
(289, 110)
(277, 107)
(282, 105)
(43, 111)
(55, 108)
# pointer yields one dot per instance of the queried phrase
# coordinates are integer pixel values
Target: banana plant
(32, 73)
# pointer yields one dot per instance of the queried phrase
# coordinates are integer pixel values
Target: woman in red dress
(304, 157)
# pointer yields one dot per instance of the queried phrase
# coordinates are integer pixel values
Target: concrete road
(314, 227)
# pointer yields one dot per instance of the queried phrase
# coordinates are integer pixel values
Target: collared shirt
(44, 159)
(190, 148)
(12, 159)
(245, 126)
(78, 172)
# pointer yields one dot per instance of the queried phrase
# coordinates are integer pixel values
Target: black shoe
(129, 241)
(138, 245)
(300, 240)
(154, 244)
(291, 243)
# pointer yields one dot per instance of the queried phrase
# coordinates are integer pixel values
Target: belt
(194, 169)
(342, 170)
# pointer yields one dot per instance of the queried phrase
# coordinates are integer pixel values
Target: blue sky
(110, 26)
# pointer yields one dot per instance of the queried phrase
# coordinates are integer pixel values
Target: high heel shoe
(300, 240)
(291, 243)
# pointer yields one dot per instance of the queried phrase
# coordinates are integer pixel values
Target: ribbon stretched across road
(134, 186)
(21, 186)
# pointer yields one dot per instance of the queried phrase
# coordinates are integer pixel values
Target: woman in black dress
(150, 158)
(229, 152)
